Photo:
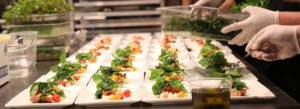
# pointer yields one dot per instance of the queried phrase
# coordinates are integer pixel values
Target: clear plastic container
(205, 22)
(41, 19)
(22, 53)
(44, 30)
(50, 53)
(54, 41)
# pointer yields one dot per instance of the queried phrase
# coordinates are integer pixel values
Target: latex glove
(258, 19)
(209, 3)
(275, 42)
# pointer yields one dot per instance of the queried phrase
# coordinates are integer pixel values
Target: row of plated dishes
(122, 69)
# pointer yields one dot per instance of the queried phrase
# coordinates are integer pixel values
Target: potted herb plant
(50, 18)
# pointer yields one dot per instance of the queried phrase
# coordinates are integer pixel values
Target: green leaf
(156, 73)
(238, 84)
(159, 86)
(85, 56)
(177, 84)
(233, 73)
(214, 61)
(33, 90)
(63, 57)
(97, 78)
(207, 48)
(109, 71)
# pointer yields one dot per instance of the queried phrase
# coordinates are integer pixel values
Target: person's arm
(289, 18)
(227, 4)
(298, 34)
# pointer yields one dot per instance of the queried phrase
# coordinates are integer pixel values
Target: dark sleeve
(238, 1)
(278, 5)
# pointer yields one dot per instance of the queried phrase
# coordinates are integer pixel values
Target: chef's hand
(258, 19)
(208, 3)
(275, 42)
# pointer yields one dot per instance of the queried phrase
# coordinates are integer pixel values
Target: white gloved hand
(275, 42)
(209, 3)
(258, 19)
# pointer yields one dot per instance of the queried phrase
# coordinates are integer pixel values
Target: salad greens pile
(167, 66)
(122, 58)
(124, 53)
(24, 8)
(109, 71)
(45, 89)
(207, 49)
(167, 73)
(85, 56)
(64, 71)
(215, 60)
(259, 3)
(104, 83)
(198, 26)
(118, 61)
(161, 83)
(66, 67)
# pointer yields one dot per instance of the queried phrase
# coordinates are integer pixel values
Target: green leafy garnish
(161, 84)
(123, 53)
(104, 83)
(66, 67)
(168, 64)
(208, 48)
(85, 56)
(214, 61)
(63, 57)
(238, 84)
(198, 26)
(45, 89)
(120, 62)
(245, 3)
(156, 73)
(24, 8)
(109, 71)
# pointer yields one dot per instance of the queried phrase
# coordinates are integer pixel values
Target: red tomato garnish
(76, 77)
(56, 97)
(232, 93)
(201, 42)
(35, 99)
(243, 92)
(167, 89)
(62, 82)
(98, 53)
(209, 53)
(127, 93)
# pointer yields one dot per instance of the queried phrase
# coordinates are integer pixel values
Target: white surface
(22, 100)
(256, 91)
(135, 80)
(148, 96)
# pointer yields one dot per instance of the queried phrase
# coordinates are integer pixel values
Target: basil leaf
(63, 58)
(33, 90)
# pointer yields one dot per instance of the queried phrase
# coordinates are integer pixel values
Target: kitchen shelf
(113, 15)
(103, 15)
(138, 22)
